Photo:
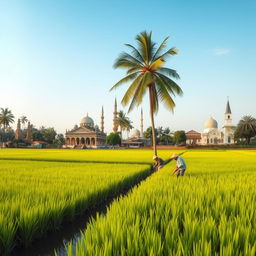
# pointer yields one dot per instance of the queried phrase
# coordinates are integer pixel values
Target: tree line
(7, 134)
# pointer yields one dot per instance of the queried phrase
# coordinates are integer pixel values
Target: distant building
(193, 137)
(87, 135)
(137, 139)
(211, 135)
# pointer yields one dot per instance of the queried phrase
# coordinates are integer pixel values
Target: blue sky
(56, 58)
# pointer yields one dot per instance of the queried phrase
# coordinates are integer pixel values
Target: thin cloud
(220, 51)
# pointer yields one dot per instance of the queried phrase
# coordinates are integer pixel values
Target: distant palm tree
(246, 128)
(123, 122)
(145, 72)
(6, 118)
(23, 120)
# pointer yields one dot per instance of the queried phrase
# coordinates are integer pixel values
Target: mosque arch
(67, 141)
(87, 141)
(73, 141)
(93, 141)
(82, 141)
(77, 141)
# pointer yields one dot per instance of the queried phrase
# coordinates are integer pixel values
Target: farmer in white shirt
(180, 165)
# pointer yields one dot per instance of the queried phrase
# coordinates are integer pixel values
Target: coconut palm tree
(23, 120)
(246, 128)
(123, 122)
(6, 118)
(145, 72)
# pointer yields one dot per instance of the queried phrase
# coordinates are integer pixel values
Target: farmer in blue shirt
(180, 165)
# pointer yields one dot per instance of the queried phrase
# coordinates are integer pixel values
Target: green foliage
(124, 122)
(179, 137)
(148, 133)
(246, 129)
(113, 139)
(59, 140)
(6, 118)
(44, 134)
(7, 135)
(209, 211)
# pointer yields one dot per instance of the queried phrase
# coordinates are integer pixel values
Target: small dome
(135, 133)
(211, 124)
(87, 121)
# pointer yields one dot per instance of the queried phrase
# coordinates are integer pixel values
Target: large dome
(211, 124)
(87, 121)
(135, 133)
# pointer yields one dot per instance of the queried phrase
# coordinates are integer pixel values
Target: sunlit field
(209, 211)
(125, 156)
(38, 196)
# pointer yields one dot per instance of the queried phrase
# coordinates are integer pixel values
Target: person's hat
(174, 156)
(154, 157)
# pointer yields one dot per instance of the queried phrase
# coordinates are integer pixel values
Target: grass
(105, 156)
(209, 211)
(36, 197)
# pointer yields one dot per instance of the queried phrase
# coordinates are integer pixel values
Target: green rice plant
(98, 155)
(36, 197)
(209, 211)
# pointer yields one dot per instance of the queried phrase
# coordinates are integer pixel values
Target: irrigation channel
(55, 241)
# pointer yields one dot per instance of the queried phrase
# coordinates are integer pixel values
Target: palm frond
(130, 93)
(169, 72)
(171, 86)
(164, 95)
(135, 52)
(160, 48)
(125, 80)
(170, 52)
(123, 63)
(126, 57)
(146, 46)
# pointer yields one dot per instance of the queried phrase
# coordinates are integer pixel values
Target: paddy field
(209, 211)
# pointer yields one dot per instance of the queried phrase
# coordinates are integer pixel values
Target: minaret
(29, 133)
(141, 123)
(115, 124)
(228, 127)
(18, 131)
(102, 120)
(228, 115)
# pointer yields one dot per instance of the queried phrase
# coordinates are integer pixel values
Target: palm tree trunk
(151, 100)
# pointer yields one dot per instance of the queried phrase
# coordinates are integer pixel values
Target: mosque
(211, 135)
(89, 135)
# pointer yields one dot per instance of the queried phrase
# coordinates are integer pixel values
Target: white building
(211, 135)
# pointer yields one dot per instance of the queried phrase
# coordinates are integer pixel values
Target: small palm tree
(246, 128)
(146, 72)
(23, 120)
(6, 118)
(123, 122)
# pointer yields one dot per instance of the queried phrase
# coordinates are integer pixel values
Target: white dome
(87, 121)
(211, 124)
(135, 133)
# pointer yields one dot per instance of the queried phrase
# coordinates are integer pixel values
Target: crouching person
(180, 165)
(159, 163)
